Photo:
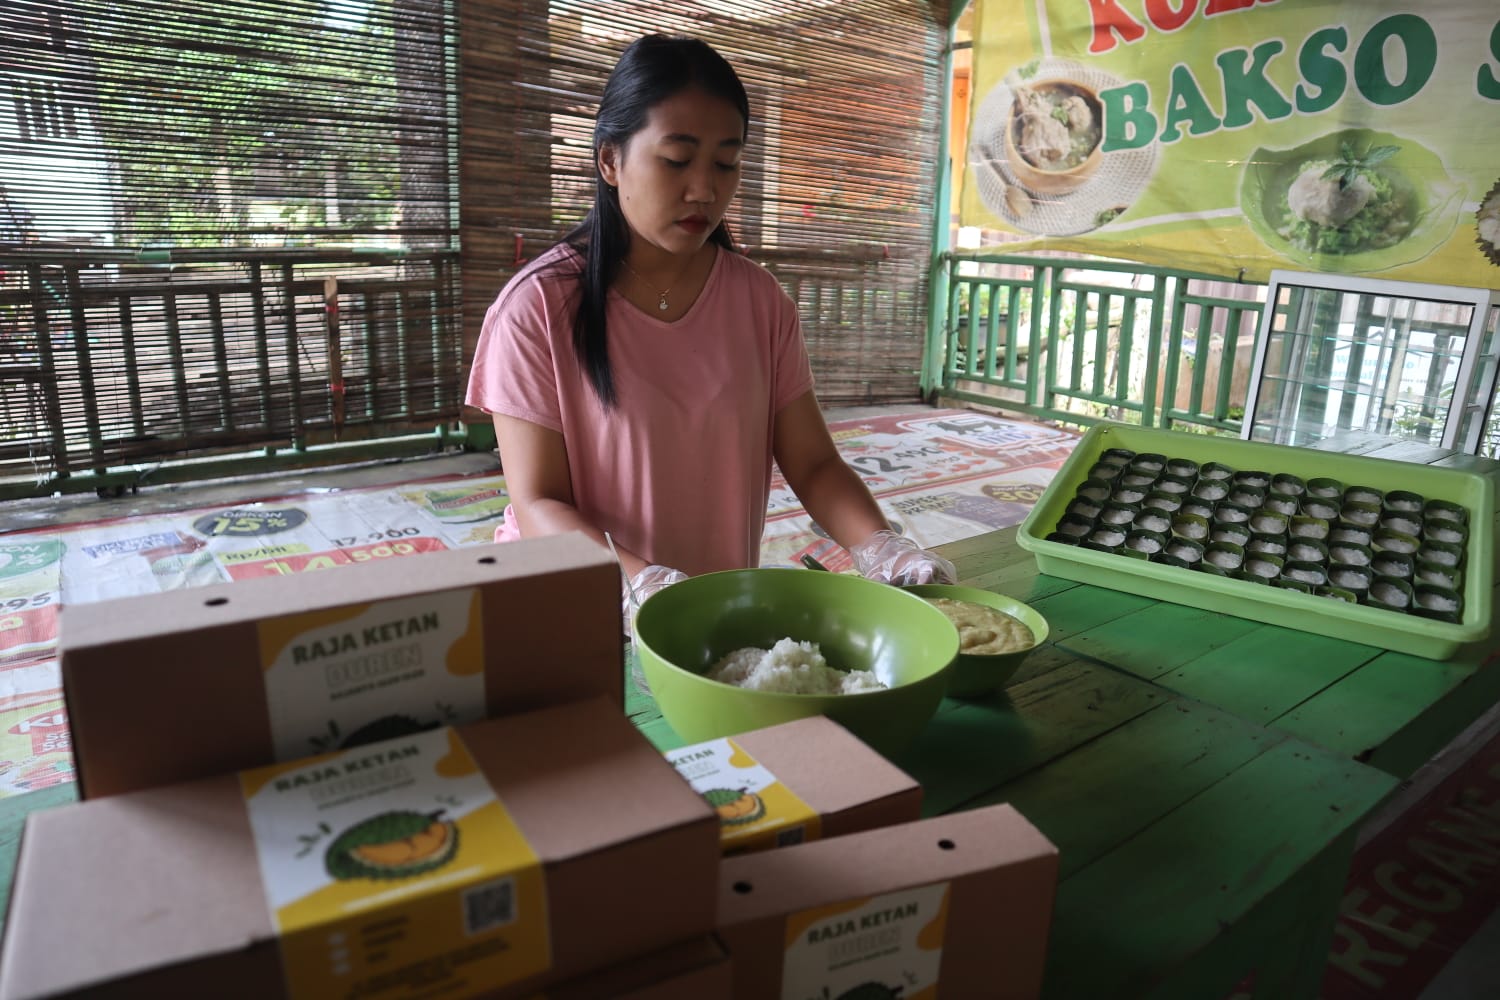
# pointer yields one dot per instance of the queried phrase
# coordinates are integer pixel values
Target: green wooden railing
(1086, 340)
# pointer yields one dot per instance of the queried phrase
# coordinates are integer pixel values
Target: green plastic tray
(1412, 634)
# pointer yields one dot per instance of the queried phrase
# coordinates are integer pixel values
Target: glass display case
(1400, 359)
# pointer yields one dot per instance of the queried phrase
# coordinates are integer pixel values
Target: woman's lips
(693, 223)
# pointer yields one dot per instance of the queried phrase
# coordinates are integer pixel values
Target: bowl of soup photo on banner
(1352, 200)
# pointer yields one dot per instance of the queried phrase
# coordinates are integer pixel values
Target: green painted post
(1101, 345)
(1126, 350)
(1041, 377)
(937, 269)
(1227, 357)
(1202, 348)
(1149, 412)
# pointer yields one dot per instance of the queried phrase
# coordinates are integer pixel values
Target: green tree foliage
(278, 123)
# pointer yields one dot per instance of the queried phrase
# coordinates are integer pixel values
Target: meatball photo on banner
(1235, 137)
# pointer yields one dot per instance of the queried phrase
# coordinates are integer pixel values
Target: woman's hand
(887, 557)
(641, 586)
(838, 499)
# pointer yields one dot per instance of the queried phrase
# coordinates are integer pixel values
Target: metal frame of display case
(1464, 417)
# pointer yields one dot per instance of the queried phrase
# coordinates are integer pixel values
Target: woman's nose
(700, 187)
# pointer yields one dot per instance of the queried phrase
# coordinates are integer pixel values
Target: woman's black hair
(650, 70)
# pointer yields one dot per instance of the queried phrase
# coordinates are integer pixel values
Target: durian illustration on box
(392, 845)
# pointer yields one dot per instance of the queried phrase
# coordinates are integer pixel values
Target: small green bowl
(978, 675)
(684, 629)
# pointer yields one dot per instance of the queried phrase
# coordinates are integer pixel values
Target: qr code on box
(791, 835)
(490, 905)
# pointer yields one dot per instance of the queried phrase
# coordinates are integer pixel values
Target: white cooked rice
(790, 667)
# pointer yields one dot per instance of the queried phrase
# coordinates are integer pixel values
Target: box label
(756, 811)
(394, 870)
(347, 676)
(881, 946)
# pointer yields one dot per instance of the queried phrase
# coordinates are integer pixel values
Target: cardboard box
(795, 782)
(960, 904)
(694, 970)
(547, 845)
(189, 684)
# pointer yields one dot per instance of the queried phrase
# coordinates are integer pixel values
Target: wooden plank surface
(1129, 919)
(1133, 643)
(972, 748)
(1358, 715)
(1076, 610)
(1267, 672)
(1120, 784)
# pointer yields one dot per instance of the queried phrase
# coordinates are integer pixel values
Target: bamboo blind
(144, 123)
(173, 142)
(838, 189)
(223, 228)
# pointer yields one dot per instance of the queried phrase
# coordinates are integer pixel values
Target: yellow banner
(1237, 136)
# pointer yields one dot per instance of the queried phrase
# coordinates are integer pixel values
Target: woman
(643, 375)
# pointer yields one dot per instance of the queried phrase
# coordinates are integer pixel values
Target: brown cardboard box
(193, 683)
(693, 970)
(167, 892)
(961, 902)
(837, 784)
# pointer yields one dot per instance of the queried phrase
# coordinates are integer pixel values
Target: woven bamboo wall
(839, 182)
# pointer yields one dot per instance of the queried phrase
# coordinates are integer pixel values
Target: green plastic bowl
(684, 629)
(977, 675)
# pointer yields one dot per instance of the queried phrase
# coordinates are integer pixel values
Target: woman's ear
(609, 164)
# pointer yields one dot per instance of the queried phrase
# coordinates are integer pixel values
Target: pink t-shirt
(679, 472)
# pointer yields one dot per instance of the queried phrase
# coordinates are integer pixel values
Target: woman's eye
(728, 168)
(677, 164)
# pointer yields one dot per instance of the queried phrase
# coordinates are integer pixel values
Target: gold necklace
(661, 303)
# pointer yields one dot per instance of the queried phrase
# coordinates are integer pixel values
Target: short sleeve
(515, 366)
(794, 375)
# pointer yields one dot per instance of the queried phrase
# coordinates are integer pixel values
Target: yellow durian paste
(984, 630)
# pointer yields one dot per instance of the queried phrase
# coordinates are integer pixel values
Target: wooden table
(1390, 710)
(1197, 847)
(1204, 819)
(1204, 776)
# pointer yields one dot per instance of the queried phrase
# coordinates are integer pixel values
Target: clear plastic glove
(887, 557)
(645, 583)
